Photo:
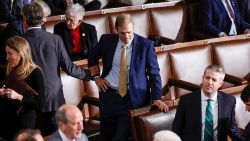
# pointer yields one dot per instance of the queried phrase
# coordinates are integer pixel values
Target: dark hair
(245, 94)
(33, 14)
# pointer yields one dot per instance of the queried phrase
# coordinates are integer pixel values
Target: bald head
(70, 121)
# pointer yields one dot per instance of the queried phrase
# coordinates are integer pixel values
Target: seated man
(245, 97)
(70, 124)
(221, 18)
(79, 37)
(207, 114)
(29, 135)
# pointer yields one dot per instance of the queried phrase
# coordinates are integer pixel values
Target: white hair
(166, 135)
(44, 5)
(75, 10)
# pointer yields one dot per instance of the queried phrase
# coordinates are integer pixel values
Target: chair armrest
(158, 40)
(234, 80)
(184, 84)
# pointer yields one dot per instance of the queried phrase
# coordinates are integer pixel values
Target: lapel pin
(83, 34)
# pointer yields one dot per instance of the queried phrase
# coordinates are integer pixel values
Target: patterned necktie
(123, 72)
(231, 13)
(208, 132)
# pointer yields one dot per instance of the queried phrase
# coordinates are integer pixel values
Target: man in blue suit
(143, 85)
(245, 97)
(221, 18)
(208, 114)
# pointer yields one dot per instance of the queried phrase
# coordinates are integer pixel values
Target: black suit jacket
(247, 132)
(88, 39)
(49, 53)
(187, 122)
(214, 18)
(7, 14)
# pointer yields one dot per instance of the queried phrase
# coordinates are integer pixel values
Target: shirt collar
(205, 98)
(34, 27)
(64, 137)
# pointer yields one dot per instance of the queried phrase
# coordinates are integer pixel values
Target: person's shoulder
(142, 39)
(54, 136)
(191, 95)
(108, 36)
(87, 25)
(60, 24)
(226, 96)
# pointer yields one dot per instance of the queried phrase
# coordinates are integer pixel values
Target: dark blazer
(247, 132)
(56, 137)
(244, 6)
(88, 39)
(144, 69)
(187, 122)
(8, 15)
(49, 53)
(214, 18)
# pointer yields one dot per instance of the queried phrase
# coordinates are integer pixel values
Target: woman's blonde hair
(25, 65)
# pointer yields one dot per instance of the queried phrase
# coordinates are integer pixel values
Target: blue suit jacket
(144, 69)
(187, 122)
(214, 18)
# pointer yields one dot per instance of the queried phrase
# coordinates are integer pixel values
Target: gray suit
(56, 137)
(49, 53)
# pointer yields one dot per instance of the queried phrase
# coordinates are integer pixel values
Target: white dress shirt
(214, 104)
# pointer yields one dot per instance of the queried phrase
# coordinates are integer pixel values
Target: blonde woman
(22, 106)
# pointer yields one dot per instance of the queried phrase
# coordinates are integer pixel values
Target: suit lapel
(220, 112)
(68, 42)
(112, 49)
(221, 6)
(83, 35)
(135, 47)
(197, 111)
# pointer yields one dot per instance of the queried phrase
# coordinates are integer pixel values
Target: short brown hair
(123, 19)
(33, 14)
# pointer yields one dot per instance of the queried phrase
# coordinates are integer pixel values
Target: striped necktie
(231, 12)
(208, 132)
(123, 72)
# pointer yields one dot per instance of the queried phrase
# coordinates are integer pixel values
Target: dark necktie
(123, 72)
(208, 132)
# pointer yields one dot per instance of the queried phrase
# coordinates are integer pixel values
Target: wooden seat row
(166, 20)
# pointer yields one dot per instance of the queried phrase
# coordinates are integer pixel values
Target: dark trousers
(114, 113)
(47, 123)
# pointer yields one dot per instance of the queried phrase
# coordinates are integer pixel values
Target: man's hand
(161, 105)
(247, 31)
(102, 84)
(94, 70)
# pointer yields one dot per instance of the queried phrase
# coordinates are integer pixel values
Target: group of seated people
(32, 95)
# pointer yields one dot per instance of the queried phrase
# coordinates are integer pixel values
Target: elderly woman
(20, 89)
(78, 37)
